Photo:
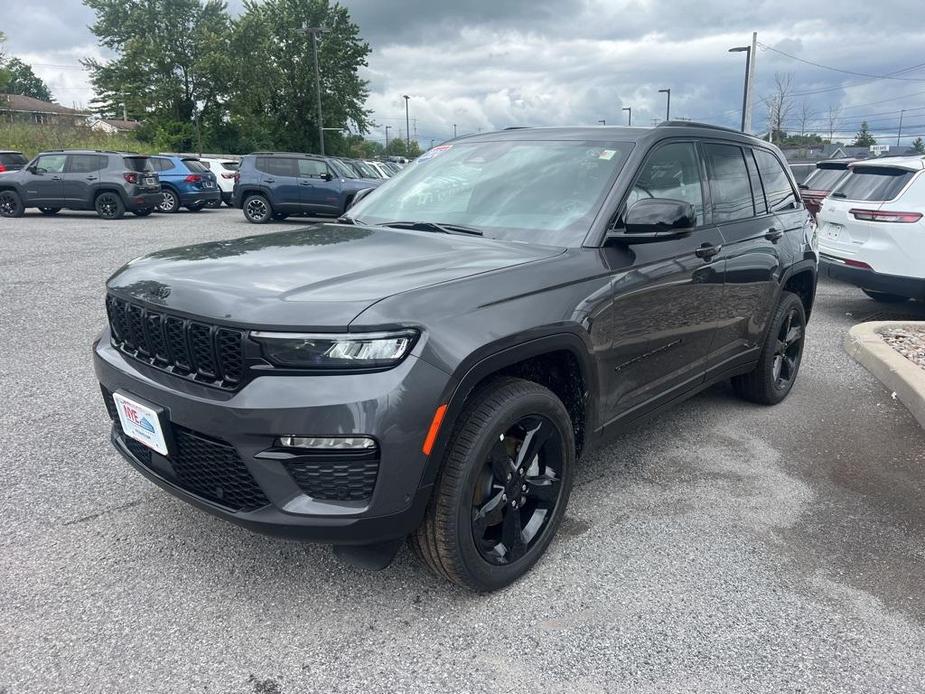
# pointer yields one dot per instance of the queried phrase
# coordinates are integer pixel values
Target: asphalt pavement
(723, 547)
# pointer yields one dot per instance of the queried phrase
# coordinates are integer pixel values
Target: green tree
(273, 91)
(863, 138)
(171, 66)
(21, 80)
(918, 145)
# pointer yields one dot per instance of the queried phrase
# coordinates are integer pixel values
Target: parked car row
(871, 225)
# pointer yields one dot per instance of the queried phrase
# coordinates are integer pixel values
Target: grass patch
(30, 139)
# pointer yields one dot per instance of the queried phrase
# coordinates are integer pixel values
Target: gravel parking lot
(723, 547)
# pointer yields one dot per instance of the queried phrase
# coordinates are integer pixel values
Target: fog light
(328, 442)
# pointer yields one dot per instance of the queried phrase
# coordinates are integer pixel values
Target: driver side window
(52, 163)
(672, 172)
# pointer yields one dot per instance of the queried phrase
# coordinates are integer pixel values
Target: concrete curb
(864, 344)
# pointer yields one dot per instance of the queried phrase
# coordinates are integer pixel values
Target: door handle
(56, 178)
(91, 178)
(707, 251)
(305, 183)
(269, 180)
(773, 234)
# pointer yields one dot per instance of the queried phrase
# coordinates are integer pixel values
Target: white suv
(224, 170)
(872, 229)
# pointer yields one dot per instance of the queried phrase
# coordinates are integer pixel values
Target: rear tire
(502, 489)
(257, 209)
(781, 355)
(885, 297)
(11, 204)
(109, 205)
(170, 202)
(49, 211)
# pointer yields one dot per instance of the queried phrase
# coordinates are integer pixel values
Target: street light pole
(748, 62)
(387, 138)
(407, 125)
(900, 133)
(668, 103)
(454, 131)
(629, 115)
(315, 31)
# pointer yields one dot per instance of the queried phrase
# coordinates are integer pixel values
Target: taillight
(2, 167)
(130, 177)
(193, 178)
(229, 176)
(885, 216)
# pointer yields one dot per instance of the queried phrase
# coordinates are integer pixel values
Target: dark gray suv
(433, 365)
(109, 182)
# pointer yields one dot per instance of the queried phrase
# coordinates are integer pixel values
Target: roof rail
(696, 124)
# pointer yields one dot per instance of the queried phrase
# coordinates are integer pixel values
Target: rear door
(751, 236)
(81, 175)
(281, 179)
(43, 188)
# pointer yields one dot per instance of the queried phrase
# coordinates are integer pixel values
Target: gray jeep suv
(109, 182)
(433, 365)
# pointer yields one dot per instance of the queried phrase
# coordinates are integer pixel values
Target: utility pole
(629, 115)
(387, 138)
(314, 32)
(454, 131)
(900, 133)
(668, 103)
(407, 125)
(750, 86)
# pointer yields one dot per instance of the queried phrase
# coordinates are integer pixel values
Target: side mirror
(657, 219)
(326, 176)
(37, 171)
(359, 196)
(802, 186)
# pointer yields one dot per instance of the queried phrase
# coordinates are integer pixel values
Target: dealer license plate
(141, 423)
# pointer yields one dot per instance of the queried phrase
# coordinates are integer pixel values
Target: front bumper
(395, 407)
(913, 287)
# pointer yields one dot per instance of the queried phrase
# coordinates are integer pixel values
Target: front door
(667, 295)
(43, 188)
(320, 191)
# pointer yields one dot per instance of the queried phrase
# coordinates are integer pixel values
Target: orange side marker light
(434, 430)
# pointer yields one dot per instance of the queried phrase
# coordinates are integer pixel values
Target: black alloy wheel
(109, 205)
(517, 490)
(788, 350)
(257, 210)
(10, 204)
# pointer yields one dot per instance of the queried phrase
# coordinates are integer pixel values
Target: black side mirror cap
(656, 219)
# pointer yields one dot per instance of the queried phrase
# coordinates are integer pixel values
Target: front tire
(109, 205)
(49, 211)
(257, 209)
(503, 488)
(170, 202)
(11, 204)
(885, 297)
(781, 355)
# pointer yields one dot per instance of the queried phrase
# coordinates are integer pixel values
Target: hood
(319, 277)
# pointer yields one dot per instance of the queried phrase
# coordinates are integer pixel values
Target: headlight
(347, 351)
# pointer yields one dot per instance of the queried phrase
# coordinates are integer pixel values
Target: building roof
(28, 104)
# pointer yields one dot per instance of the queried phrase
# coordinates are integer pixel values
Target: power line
(890, 76)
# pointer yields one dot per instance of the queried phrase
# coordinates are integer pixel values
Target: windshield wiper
(837, 195)
(434, 226)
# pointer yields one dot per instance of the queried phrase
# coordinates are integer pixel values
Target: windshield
(365, 169)
(534, 191)
(825, 178)
(341, 169)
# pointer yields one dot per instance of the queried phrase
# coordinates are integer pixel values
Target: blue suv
(185, 182)
(275, 185)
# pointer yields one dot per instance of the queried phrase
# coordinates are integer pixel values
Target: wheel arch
(801, 280)
(560, 361)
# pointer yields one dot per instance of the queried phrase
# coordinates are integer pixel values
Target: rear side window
(162, 164)
(137, 164)
(730, 188)
(777, 189)
(278, 166)
(873, 183)
(85, 163)
(673, 172)
(12, 159)
(195, 165)
(825, 178)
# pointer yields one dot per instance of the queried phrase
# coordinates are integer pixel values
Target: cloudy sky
(485, 64)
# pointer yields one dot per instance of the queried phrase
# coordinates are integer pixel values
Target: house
(19, 108)
(112, 126)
